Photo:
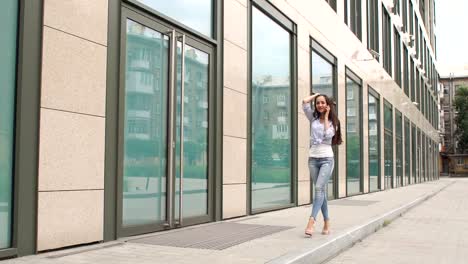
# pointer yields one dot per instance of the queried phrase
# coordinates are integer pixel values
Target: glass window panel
(423, 157)
(195, 123)
(144, 176)
(386, 40)
(355, 17)
(374, 147)
(353, 137)
(373, 25)
(388, 146)
(8, 27)
(405, 71)
(271, 133)
(323, 76)
(407, 152)
(397, 56)
(399, 148)
(196, 14)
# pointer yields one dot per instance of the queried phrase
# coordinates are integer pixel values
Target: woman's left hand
(327, 110)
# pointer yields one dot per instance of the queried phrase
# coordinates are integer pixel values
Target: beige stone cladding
(235, 109)
(72, 126)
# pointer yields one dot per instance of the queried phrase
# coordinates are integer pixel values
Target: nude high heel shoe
(326, 228)
(310, 227)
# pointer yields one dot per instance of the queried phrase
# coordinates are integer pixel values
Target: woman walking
(325, 131)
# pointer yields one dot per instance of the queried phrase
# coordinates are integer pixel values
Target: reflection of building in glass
(324, 86)
(373, 125)
(271, 116)
(352, 101)
(145, 85)
(273, 95)
(195, 106)
(372, 116)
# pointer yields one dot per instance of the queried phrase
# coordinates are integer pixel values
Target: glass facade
(355, 16)
(418, 155)
(323, 82)
(373, 25)
(8, 27)
(374, 142)
(270, 113)
(397, 57)
(145, 160)
(399, 149)
(195, 14)
(353, 137)
(388, 146)
(423, 157)
(407, 152)
(386, 41)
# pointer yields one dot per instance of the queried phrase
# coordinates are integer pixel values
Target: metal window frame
(390, 131)
(111, 194)
(26, 141)
(324, 53)
(406, 73)
(175, 23)
(387, 40)
(407, 135)
(373, 26)
(397, 56)
(354, 77)
(353, 16)
(414, 172)
(282, 20)
(399, 135)
(376, 95)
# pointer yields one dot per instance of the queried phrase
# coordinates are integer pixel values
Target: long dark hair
(332, 116)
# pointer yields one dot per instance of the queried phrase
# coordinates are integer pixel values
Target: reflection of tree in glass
(353, 149)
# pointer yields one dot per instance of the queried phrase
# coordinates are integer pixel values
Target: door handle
(172, 60)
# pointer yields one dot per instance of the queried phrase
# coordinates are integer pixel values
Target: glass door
(163, 144)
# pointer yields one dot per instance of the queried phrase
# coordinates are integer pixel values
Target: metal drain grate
(217, 236)
(352, 202)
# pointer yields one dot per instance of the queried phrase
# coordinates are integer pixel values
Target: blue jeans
(320, 172)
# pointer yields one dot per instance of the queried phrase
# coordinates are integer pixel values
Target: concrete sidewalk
(434, 232)
(352, 219)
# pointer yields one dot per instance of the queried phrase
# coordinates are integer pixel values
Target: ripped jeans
(320, 172)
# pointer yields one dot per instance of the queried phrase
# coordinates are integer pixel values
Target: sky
(452, 36)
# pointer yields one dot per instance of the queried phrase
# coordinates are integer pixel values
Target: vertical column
(72, 127)
(235, 109)
(303, 61)
(342, 116)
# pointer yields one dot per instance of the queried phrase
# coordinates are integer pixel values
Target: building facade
(451, 156)
(127, 117)
(450, 85)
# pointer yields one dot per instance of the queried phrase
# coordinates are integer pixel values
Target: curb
(346, 240)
